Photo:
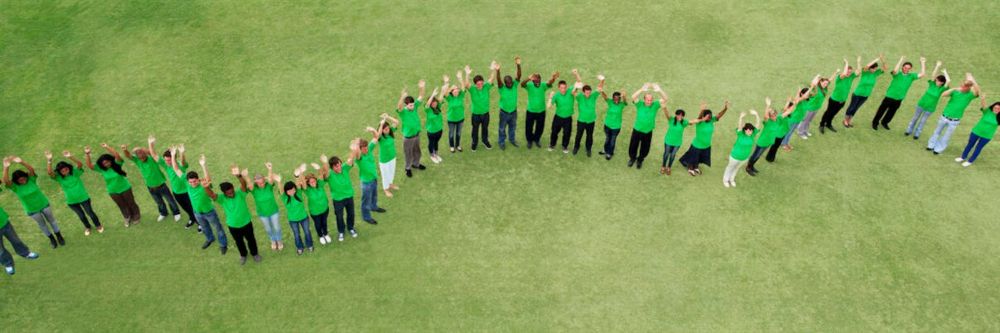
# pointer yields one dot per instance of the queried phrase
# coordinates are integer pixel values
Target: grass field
(853, 231)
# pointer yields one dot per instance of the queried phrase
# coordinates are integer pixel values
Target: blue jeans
(791, 132)
(669, 152)
(210, 220)
(508, 124)
(610, 139)
(917, 123)
(272, 225)
(299, 228)
(369, 199)
(939, 141)
(10, 234)
(455, 134)
(978, 142)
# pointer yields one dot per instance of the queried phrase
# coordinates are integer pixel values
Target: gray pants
(804, 125)
(411, 149)
(45, 219)
(15, 242)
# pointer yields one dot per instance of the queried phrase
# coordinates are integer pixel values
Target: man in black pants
(901, 82)
(562, 121)
(534, 119)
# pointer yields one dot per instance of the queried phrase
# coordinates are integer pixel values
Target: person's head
(770, 114)
(508, 81)
(824, 82)
(647, 99)
(536, 78)
(259, 180)
(748, 128)
(311, 180)
(385, 129)
(192, 178)
(227, 189)
(289, 189)
(363, 146)
(995, 107)
(19, 177)
(907, 66)
(168, 157)
(64, 169)
(849, 70)
(705, 114)
(966, 85)
(140, 153)
(940, 80)
(336, 165)
(433, 103)
(478, 81)
(562, 86)
(873, 67)
(408, 102)
(679, 114)
(454, 91)
(105, 161)
(587, 90)
(803, 91)
(616, 97)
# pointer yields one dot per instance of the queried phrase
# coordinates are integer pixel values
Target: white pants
(388, 173)
(732, 169)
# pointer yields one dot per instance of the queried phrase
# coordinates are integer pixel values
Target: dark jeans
(856, 103)
(976, 142)
(341, 208)
(243, 236)
(669, 152)
(832, 109)
(772, 152)
(455, 133)
(534, 124)
(886, 111)
(638, 146)
(160, 193)
(580, 129)
(432, 141)
(10, 234)
(126, 204)
(300, 230)
(508, 126)
(319, 221)
(184, 201)
(758, 151)
(560, 124)
(610, 139)
(480, 129)
(82, 210)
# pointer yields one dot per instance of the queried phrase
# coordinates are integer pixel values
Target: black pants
(84, 207)
(534, 124)
(610, 139)
(342, 208)
(319, 221)
(185, 202)
(772, 152)
(560, 124)
(432, 141)
(831, 111)
(638, 146)
(581, 128)
(480, 129)
(162, 197)
(758, 151)
(244, 239)
(886, 111)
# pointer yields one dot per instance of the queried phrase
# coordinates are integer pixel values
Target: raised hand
(268, 165)
(600, 77)
(48, 155)
(923, 60)
(324, 158)
(315, 166)
(578, 85)
(517, 60)
(124, 147)
(446, 78)
(151, 139)
(180, 149)
(6, 162)
(468, 70)
(86, 150)
(575, 71)
(743, 114)
(245, 173)
(235, 170)
(67, 154)
(493, 65)
(421, 84)
(105, 146)
(656, 87)
(370, 129)
(17, 160)
(753, 112)
(201, 160)
(403, 94)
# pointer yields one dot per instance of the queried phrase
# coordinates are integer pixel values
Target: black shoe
(474, 147)
(885, 126)
(822, 129)
(503, 147)
(421, 167)
(379, 210)
(488, 145)
(512, 143)
(602, 153)
(830, 127)
(937, 153)
(372, 222)
(529, 145)
(638, 165)
(576, 150)
(588, 153)
(875, 127)
(915, 137)
(223, 250)
(60, 238)
(189, 224)
(607, 157)
(409, 174)
(631, 162)
(906, 133)
(929, 149)
(52, 241)
(207, 243)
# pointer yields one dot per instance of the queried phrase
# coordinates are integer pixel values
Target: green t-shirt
(237, 212)
(675, 132)
(387, 148)
(536, 96)
(178, 184)
(587, 107)
(613, 119)
(366, 165)
(456, 106)
(508, 97)
(930, 99)
(564, 104)
(957, 104)
(114, 182)
(783, 127)
(867, 82)
(30, 195)
(263, 198)
(340, 183)
(645, 116)
(842, 87)
(294, 207)
(766, 138)
(987, 125)
(816, 101)
(150, 171)
(703, 133)
(411, 120)
(199, 199)
(743, 146)
(317, 197)
(4, 217)
(900, 85)
(72, 186)
(799, 113)
(433, 120)
(480, 98)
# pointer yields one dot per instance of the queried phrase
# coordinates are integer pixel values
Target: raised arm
(899, 65)
(725, 107)
(497, 78)
(975, 85)
(466, 82)
(421, 89)
(858, 69)
(552, 80)
(152, 150)
(270, 173)
(48, 164)
(324, 170)
(937, 67)
(207, 185)
(923, 67)
(982, 101)
(373, 131)
(241, 175)
(204, 170)
(86, 153)
(947, 79)
(548, 101)
(663, 94)
(386, 117)
(112, 151)
(399, 104)
(756, 118)
(739, 123)
(6, 171)
(493, 72)
(517, 63)
(576, 74)
(635, 95)
(127, 153)
(68, 155)
(183, 153)
(843, 73)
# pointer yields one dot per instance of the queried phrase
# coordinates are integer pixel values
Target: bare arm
(399, 104)
(466, 82)
(898, 65)
(48, 164)
(493, 72)
(725, 107)
(242, 177)
(67, 154)
(86, 153)
(6, 171)
(205, 183)
(934, 74)
(756, 118)
(947, 79)
(923, 67)
(152, 150)
(663, 94)
(975, 85)
(555, 75)
(635, 95)
(270, 173)
(739, 124)
(421, 89)
(204, 170)
(843, 73)
(127, 153)
(112, 151)
(517, 63)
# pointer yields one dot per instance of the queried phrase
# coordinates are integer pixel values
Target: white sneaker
(725, 183)
(177, 217)
(322, 240)
(550, 148)
(354, 234)
(809, 134)
(959, 159)
(966, 164)
(804, 137)
(732, 183)
(328, 239)
(340, 237)
(565, 151)
(160, 219)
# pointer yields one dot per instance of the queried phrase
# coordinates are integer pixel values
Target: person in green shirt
(741, 149)
(815, 103)
(770, 134)
(110, 167)
(156, 183)
(645, 122)
(508, 105)
(385, 136)
(366, 172)
(342, 193)
(455, 97)
(612, 118)
(586, 104)
(842, 87)
(297, 218)
(928, 102)
(534, 119)
(234, 203)
(178, 184)
(894, 95)
(700, 151)
(866, 82)
(407, 109)
(981, 134)
(479, 94)
(262, 190)
(673, 139)
(562, 120)
(36, 205)
(204, 211)
(319, 202)
(959, 99)
(7, 231)
(77, 198)
(804, 94)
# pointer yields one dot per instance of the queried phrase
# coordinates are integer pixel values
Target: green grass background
(854, 231)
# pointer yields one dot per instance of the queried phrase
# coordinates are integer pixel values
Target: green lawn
(853, 231)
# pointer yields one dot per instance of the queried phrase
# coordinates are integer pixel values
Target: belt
(952, 119)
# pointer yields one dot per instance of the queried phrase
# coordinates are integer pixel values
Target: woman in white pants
(385, 136)
(741, 149)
